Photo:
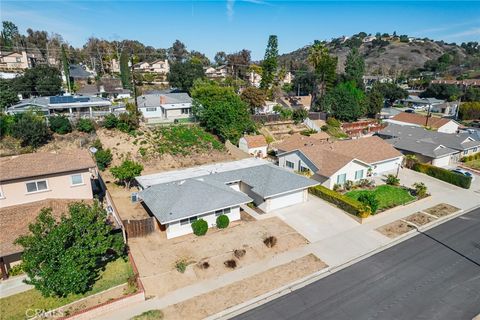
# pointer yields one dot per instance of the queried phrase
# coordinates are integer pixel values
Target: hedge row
(345, 203)
(444, 175)
(471, 157)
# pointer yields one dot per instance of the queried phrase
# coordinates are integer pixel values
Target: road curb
(298, 284)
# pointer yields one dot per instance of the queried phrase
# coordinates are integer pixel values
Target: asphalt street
(434, 275)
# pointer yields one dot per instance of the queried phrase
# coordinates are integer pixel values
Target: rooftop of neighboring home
(298, 140)
(174, 199)
(157, 99)
(38, 164)
(418, 100)
(14, 221)
(59, 102)
(255, 141)
(429, 143)
(296, 101)
(421, 120)
(464, 82)
(78, 71)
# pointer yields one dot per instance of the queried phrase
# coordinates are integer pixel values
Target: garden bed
(419, 218)
(114, 276)
(441, 210)
(388, 196)
(395, 229)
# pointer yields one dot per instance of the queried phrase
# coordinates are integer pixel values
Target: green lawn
(14, 307)
(474, 164)
(387, 196)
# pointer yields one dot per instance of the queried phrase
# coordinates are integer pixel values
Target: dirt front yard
(441, 210)
(419, 218)
(157, 257)
(226, 297)
(395, 229)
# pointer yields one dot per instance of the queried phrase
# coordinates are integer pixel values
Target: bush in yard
(65, 256)
(444, 175)
(126, 172)
(348, 185)
(110, 121)
(97, 144)
(31, 129)
(232, 264)
(270, 241)
(337, 187)
(200, 227)
(392, 180)
(60, 124)
(16, 270)
(222, 221)
(85, 125)
(420, 189)
(345, 203)
(299, 115)
(369, 199)
(103, 158)
(239, 253)
(181, 265)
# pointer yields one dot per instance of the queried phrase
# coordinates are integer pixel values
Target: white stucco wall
(175, 229)
(151, 114)
(349, 169)
(380, 167)
(298, 159)
(449, 127)
(441, 162)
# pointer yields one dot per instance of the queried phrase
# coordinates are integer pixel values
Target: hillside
(383, 60)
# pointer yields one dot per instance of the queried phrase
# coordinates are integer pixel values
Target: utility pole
(428, 115)
(133, 82)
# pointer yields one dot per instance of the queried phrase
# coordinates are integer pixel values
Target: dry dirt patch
(156, 256)
(394, 229)
(238, 292)
(441, 210)
(419, 218)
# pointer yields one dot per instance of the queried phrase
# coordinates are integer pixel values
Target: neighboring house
(416, 102)
(296, 102)
(437, 148)
(115, 66)
(158, 66)
(267, 108)
(29, 182)
(219, 72)
(368, 81)
(362, 128)
(105, 87)
(80, 72)
(73, 106)
(461, 83)
(14, 60)
(444, 125)
(178, 198)
(388, 113)
(254, 79)
(339, 161)
(165, 106)
(254, 145)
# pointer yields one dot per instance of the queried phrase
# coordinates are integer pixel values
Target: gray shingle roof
(153, 100)
(77, 71)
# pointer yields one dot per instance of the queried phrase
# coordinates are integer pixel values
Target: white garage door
(390, 165)
(441, 162)
(286, 200)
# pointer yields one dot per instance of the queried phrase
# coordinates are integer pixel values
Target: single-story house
(178, 198)
(444, 125)
(219, 72)
(420, 103)
(80, 72)
(165, 106)
(437, 148)
(254, 145)
(339, 161)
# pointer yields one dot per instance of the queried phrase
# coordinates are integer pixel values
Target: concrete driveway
(316, 219)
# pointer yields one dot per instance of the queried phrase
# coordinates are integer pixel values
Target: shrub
(200, 227)
(181, 265)
(331, 121)
(471, 157)
(97, 144)
(270, 241)
(31, 129)
(110, 121)
(348, 185)
(16, 270)
(232, 264)
(60, 124)
(299, 115)
(103, 158)
(345, 203)
(85, 125)
(469, 110)
(149, 315)
(222, 221)
(239, 253)
(392, 180)
(444, 175)
(365, 183)
(132, 284)
(203, 265)
(369, 199)
(420, 189)
(337, 187)
(126, 172)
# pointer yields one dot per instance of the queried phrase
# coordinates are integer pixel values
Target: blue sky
(211, 26)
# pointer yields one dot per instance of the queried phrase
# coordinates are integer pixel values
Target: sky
(232, 25)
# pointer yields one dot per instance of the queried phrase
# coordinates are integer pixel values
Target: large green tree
(444, 91)
(64, 256)
(221, 111)
(178, 52)
(390, 91)
(355, 67)
(8, 94)
(253, 97)
(31, 129)
(126, 172)
(9, 35)
(472, 94)
(66, 67)
(125, 72)
(270, 63)
(325, 67)
(41, 80)
(345, 102)
(183, 74)
(374, 103)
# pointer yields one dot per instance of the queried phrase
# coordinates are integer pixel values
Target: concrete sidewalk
(13, 286)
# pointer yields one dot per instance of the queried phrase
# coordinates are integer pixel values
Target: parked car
(464, 173)
(410, 111)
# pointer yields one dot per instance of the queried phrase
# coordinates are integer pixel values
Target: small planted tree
(60, 124)
(369, 199)
(420, 189)
(85, 125)
(65, 256)
(110, 121)
(31, 129)
(392, 180)
(222, 221)
(200, 227)
(103, 158)
(126, 172)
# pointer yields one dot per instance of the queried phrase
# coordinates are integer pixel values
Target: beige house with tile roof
(254, 145)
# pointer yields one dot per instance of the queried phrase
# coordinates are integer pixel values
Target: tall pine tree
(355, 68)
(270, 62)
(125, 73)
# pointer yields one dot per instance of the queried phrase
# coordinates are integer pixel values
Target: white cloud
(471, 32)
(230, 11)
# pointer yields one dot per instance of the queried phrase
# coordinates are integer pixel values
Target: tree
(221, 111)
(355, 68)
(103, 158)
(472, 94)
(469, 111)
(8, 95)
(270, 63)
(178, 52)
(299, 115)
(254, 98)
(66, 67)
(200, 58)
(345, 102)
(325, 67)
(183, 74)
(304, 83)
(85, 125)
(390, 91)
(125, 72)
(369, 199)
(41, 80)
(444, 91)
(60, 124)
(199, 227)
(374, 103)
(9, 35)
(65, 256)
(220, 58)
(239, 63)
(222, 221)
(6, 124)
(126, 172)
(31, 129)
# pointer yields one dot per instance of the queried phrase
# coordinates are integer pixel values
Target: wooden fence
(139, 228)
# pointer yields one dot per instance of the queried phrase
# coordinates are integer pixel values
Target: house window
(475, 149)
(220, 212)
(35, 186)
(77, 179)
(341, 178)
(465, 152)
(358, 174)
(304, 169)
(187, 221)
(151, 109)
(289, 164)
(185, 111)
